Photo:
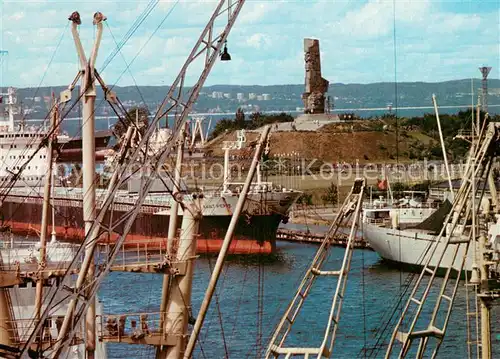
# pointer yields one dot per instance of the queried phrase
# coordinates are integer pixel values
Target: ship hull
(255, 231)
(410, 249)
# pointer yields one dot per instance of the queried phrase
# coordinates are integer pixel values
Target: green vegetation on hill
(256, 120)
(418, 137)
(451, 125)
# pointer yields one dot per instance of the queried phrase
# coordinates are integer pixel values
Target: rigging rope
(147, 41)
(397, 130)
(137, 23)
(219, 314)
(363, 292)
(260, 309)
(127, 67)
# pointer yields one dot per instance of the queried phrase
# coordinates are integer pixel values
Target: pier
(294, 235)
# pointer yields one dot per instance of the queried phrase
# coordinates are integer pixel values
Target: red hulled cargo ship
(255, 232)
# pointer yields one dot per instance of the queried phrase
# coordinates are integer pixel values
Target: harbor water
(252, 297)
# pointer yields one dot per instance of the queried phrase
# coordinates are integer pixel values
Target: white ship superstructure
(400, 214)
(20, 145)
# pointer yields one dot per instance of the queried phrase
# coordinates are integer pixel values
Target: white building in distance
(266, 97)
(252, 96)
(217, 94)
(240, 96)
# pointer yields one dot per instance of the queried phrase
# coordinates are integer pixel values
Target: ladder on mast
(449, 241)
(472, 319)
(349, 212)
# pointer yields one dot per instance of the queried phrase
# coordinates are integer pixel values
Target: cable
(363, 293)
(118, 48)
(147, 41)
(260, 309)
(127, 67)
(219, 315)
(397, 124)
(137, 23)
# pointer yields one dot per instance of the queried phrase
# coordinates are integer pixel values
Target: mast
(6, 318)
(53, 234)
(347, 217)
(172, 231)
(225, 245)
(445, 157)
(45, 217)
(88, 153)
(11, 101)
(179, 301)
(454, 241)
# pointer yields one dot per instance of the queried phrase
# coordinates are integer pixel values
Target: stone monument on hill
(316, 86)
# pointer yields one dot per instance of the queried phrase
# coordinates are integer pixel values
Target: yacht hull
(412, 249)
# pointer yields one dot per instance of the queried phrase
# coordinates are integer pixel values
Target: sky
(361, 41)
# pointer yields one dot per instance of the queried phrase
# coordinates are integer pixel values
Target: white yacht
(403, 233)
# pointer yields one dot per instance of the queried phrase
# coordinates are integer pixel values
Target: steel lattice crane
(348, 215)
(177, 102)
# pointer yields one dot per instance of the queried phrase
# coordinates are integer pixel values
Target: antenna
(485, 71)
(3, 53)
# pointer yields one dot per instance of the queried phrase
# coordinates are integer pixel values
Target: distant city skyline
(436, 40)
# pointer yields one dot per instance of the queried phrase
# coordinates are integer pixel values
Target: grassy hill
(366, 141)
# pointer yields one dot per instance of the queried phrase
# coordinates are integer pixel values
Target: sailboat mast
(45, 215)
(441, 139)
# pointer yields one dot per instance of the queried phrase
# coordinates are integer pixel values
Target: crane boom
(178, 102)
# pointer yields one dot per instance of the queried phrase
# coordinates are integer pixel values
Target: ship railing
(28, 268)
(24, 256)
(20, 244)
(21, 329)
(145, 256)
(464, 134)
(138, 328)
(262, 187)
(377, 221)
(388, 207)
(121, 198)
(253, 185)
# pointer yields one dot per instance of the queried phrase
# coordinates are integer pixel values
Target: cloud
(258, 41)
(433, 40)
(259, 11)
(16, 16)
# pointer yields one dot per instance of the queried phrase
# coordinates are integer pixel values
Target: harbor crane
(209, 47)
